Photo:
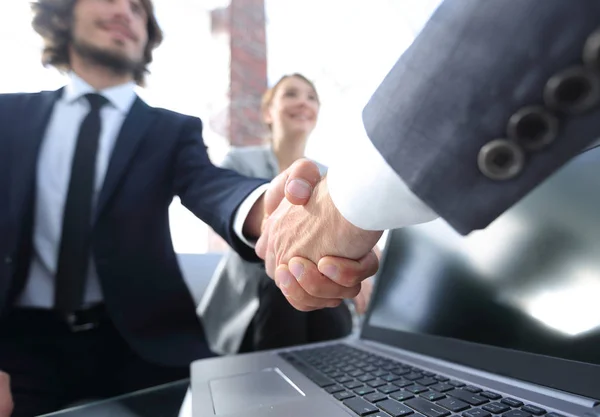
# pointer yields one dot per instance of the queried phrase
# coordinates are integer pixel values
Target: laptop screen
(520, 298)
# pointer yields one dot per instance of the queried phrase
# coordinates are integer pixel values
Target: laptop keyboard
(375, 386)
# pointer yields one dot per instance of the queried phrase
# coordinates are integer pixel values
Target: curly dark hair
(53, 20)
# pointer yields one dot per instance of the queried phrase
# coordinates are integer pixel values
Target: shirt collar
(120, 96)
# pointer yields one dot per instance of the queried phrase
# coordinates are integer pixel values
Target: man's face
(112, 33)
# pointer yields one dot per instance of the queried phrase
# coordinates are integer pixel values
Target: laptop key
(427, 408)
(402, 383)
(427, 381)
(536, 411)
(394, 408)
(442, 387)
(366, 377)
(512, 402)
(413, 376)
(316, 377)
(457, 384)
(332, 389)
(402, 396)
(360, 406)
(388, 389)
(379, 373)
(496, 408)
(476, 412)
(468, 397)
(490, 395)
(416, 389)
(374, 397)
(382, 414)
(516, 413)
(376, 383)
(473, 389)
(432, 395)
(453, 404)
(356, 373)
(554, 415)
(442, 378)
(363, 391)
(353, 384)
(391, 378)
(344, 395)
(344, 380)
(402, 370)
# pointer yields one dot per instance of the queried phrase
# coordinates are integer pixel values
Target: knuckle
(300, 306)
(311, 284)
(348, 278)
(297, 294)
(354, 291)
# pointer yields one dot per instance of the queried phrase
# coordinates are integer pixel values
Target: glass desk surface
(160, 401)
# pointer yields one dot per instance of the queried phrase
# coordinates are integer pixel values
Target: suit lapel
(34, 119)
(135, 125)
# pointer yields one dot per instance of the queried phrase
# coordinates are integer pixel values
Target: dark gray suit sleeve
(491, 98)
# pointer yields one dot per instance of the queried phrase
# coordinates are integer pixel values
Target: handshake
(315, 256)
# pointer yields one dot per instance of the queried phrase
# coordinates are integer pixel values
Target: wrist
(253, 224)
(355, 241)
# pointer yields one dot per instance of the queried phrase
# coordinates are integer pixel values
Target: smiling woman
(245, 310)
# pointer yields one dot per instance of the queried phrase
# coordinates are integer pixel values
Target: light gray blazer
(231, 300)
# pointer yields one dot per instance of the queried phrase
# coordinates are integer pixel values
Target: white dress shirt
(53, 175)
(370, 194)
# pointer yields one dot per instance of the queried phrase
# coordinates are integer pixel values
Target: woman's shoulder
(248, 160)
(255, 151)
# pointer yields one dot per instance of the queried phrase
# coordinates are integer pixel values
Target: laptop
(503, 322)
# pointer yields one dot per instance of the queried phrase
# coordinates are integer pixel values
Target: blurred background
(219, 56)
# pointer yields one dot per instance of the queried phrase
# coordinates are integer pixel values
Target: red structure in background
(243, 21)
(243, 24)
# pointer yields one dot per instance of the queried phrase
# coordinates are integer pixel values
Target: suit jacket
(158, 154)
(490, 99)
(231, 300)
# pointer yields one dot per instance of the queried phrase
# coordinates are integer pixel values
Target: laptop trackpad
(252, 390)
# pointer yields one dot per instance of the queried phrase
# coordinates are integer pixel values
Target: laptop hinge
(595, 411)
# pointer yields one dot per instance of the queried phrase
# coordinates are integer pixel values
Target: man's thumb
(302, 177)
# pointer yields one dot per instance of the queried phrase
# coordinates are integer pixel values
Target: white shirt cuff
(370, 194)
(243, 211)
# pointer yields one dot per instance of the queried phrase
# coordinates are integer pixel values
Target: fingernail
(299, 188)
(284, 278)
(297, 269)
(330, 271)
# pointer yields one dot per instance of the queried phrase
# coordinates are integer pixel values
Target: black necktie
(73, 258)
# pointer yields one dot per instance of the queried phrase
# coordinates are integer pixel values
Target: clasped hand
(316, 257)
